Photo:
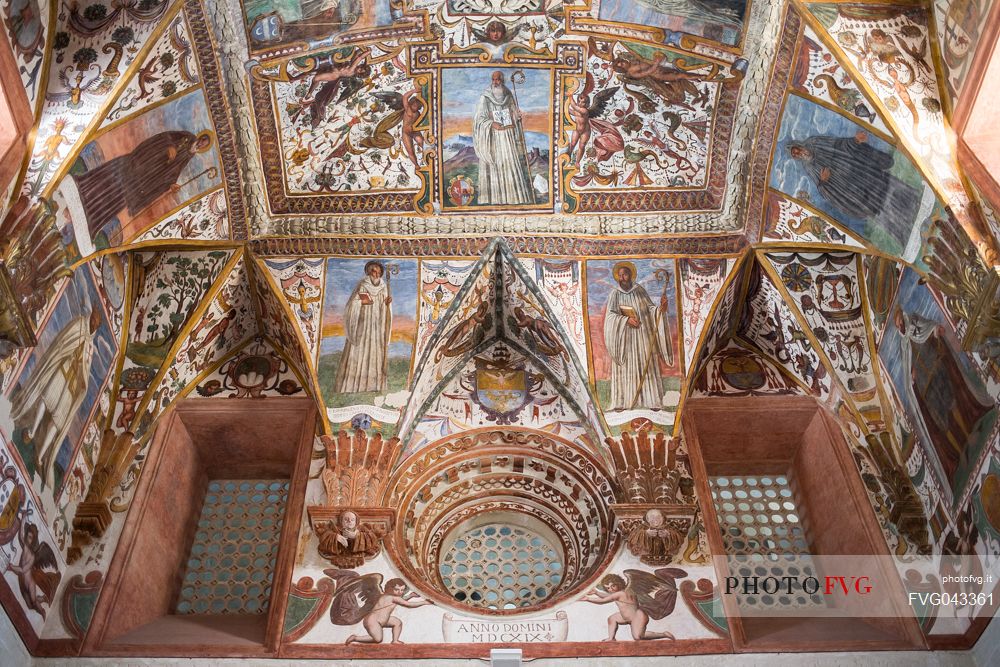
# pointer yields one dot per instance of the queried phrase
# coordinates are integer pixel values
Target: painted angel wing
(355, 596)
(351, 86)
(45, 557)
(390, 98)
(322, 99)
(601, 100)
(655, 593)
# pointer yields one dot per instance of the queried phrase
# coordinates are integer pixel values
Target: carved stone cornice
(221, 56)
(473, 245)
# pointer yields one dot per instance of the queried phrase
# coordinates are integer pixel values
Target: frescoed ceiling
(633, 118)
(308, 136)
(566, 216)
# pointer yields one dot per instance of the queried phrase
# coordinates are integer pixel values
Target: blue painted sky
(722, 23)
(803, 119)
(463, 86)
(342, 276)
(916, 298)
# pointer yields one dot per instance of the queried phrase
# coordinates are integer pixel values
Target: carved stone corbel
(646, 467)
(93, 515)
(654, 533)
(906, 511)
(970, 286)
(349, 536)
(352, 524)
(32, 261)
(658, 507)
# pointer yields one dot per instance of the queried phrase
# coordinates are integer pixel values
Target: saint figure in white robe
(637, 337)
(498, 139)
(367, 326)
(48, 400)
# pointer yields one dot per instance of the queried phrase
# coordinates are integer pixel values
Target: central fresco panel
(494, 106)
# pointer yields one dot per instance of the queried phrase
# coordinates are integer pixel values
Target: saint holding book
(498, 139)
(637, 337)
(368, 328)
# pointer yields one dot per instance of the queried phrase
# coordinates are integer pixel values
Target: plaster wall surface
(887, 659)
(987, 652)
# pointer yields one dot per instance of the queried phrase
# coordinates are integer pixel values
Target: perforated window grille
(764, 537)
(232, 558)
(497, 566)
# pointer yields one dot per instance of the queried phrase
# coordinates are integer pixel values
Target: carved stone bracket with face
(349, 536)
(654, 533)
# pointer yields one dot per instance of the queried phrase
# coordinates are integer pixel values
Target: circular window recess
(458, 499)
(501, 561)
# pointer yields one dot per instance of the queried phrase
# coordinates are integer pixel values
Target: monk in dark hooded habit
(856, 178)
(135, 180)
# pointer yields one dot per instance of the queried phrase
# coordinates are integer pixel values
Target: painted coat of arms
(501, 385)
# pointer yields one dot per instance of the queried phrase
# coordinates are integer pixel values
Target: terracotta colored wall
(732, 444)
(153, 573)
(832, 516)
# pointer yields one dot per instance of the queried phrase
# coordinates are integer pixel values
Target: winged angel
(362, 599)
(640, 596)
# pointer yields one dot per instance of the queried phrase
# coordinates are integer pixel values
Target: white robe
(503, 165)
(363, 364)
(48, 401)
(635, 352)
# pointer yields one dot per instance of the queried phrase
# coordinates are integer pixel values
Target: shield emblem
(461, 191)
(501, 386)
(501, 391)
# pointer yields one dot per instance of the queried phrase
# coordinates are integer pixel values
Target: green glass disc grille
(231, 563)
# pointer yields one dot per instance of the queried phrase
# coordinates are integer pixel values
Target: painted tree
(185, 282)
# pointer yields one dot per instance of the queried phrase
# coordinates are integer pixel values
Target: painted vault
(499, 245)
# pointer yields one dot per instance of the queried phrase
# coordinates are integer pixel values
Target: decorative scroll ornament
(79, 601)
(705, 605)
(351, 526)
(93, 515)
